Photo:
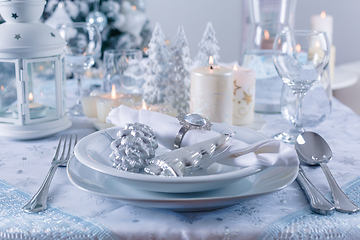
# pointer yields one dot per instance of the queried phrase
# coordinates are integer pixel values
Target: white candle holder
(32, 73)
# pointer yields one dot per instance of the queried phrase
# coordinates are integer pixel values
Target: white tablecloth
(76, 213)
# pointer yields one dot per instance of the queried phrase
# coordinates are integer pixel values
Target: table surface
(74, 213)
(343, 79)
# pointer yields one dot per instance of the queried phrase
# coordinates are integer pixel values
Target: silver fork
(106, 134)
(38, 202)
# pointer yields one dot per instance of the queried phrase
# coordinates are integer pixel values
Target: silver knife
(318, 203)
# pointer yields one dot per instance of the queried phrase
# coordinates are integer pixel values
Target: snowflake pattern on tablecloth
(39, 151)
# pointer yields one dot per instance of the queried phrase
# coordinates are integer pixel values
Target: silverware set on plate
(312, 149)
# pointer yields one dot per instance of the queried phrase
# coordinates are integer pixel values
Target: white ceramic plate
(93, 151)
(269, 180)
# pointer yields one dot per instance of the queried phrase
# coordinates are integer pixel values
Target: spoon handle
(318, 203)
(342, 202)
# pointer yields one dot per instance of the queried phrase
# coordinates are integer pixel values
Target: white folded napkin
(268, 152)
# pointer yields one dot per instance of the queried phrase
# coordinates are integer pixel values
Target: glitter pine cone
(134, 145)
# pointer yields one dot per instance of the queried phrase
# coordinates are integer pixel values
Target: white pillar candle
(323, 23)
(211, 93)
(244, 95)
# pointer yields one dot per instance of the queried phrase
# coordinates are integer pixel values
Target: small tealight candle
(244, 95)
(267, 41)
(37, 110)
(106, 102)
(301, 55)
(89, 104)
(211, 92)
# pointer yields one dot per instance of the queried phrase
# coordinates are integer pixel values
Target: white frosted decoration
(177, 92)
(134, 19)
(208, 46)
(120, 21)
(72, 8)
(156, 77)
(60, 16)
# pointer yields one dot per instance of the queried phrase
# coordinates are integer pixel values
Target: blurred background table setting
(191, 135)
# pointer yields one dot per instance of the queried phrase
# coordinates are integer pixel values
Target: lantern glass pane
(64, 84)
(41, 89)
(8, 90)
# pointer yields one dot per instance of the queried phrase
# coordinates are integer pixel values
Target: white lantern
(32, 73)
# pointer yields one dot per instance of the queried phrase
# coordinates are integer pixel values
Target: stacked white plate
(216, 187)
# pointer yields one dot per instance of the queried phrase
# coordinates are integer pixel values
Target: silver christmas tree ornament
(177, 92)
(208, 47)
(156, 77)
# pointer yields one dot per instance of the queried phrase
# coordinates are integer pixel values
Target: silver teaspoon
(314, 150)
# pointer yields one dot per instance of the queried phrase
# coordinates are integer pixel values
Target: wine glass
(317, 103)
(123, 67)
(300, 57)
(83, 45)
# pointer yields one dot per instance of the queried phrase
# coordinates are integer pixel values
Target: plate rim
(293, 171)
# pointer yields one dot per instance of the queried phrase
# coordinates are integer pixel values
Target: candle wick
(211, 67)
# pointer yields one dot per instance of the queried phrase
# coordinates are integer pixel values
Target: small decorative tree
(156, 77)
(178, 90)
(208, 46)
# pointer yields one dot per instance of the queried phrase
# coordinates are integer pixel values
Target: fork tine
(71, 147)
(64, 149)
(58, 148)
(75, 140)
(69, 150)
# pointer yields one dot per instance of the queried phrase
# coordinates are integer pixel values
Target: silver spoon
(314, 150)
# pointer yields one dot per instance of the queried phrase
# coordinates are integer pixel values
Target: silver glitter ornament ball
(97, 18)
(133, 146)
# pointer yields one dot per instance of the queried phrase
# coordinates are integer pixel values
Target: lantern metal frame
(41, 43)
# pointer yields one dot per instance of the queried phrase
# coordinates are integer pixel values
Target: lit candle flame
(144, 105)
(235, 67)
(266, 35)
(317, 44)
(298, 48)
(31, 97)
(323, 14)
(2, 87)
(211, 60)
(133, 7)
(113, 92)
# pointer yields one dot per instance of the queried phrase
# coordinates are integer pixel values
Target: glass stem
(79, 87)
(298, 123)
